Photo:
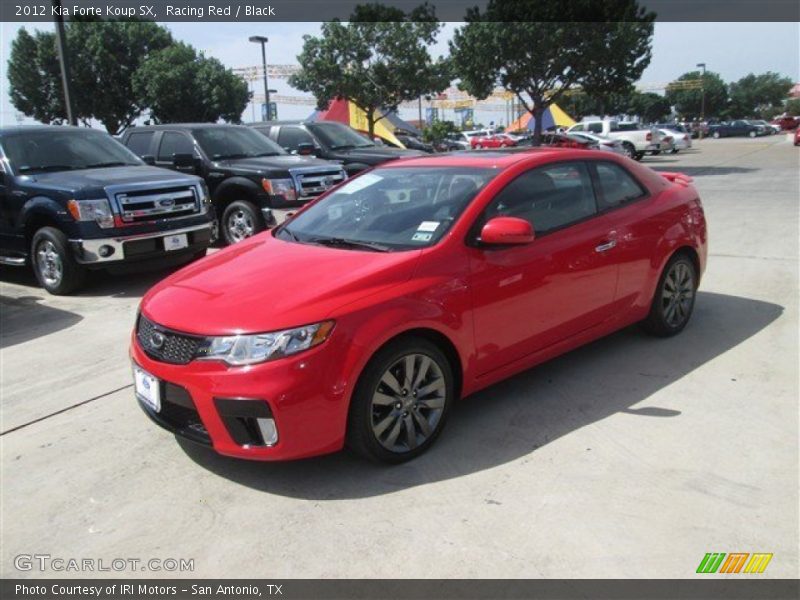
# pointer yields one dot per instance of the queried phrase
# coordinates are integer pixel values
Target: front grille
(148, 205)
(311, 184)
(166, 346)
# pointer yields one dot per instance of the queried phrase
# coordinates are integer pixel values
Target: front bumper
(213, 404)
(138, 246)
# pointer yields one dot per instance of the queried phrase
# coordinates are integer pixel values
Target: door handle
(606, 246)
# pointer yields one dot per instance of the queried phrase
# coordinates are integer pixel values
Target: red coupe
(497, 140)
(368, 314)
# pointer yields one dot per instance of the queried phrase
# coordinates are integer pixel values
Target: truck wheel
(639, 155)
(656, 152)
(53, 263)
(630, 151)
(240, 221)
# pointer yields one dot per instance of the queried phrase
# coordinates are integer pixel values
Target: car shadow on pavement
(512, 419)
(24, 318)
(704, 171)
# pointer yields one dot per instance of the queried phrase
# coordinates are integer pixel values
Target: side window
(139, 143)
(596, 127)
(548, 197)
(578, 127)
(290, 138)
(617, 186)
(174, 143)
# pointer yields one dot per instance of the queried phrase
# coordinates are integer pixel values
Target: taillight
(649, 136)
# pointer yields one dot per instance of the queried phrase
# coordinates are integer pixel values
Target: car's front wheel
(53, 263)
(753, 134)
(673, 302)
(401, 401)
(241, 220)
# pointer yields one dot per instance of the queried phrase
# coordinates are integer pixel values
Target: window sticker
(421, 237)
(428, 226)
(360, 183)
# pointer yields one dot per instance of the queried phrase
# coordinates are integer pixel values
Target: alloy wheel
(240, 225)
(677, 294)
(49, 264)
(408, 403)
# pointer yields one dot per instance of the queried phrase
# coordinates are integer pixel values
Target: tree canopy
(377, 60)
(689, 102)
(758, 95)
(539, 60)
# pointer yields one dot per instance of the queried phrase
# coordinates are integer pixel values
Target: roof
(21, 129)
(285, 122)
(501, 159)
(180, 126)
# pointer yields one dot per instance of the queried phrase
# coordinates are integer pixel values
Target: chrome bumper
(88, 251)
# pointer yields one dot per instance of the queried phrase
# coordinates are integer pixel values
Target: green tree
(792, 107)
(178, 84)
(541, 59)
(438, 131)
(104, 56)
(377, 60)
(688, 102)
(755, 95)
(651, 107)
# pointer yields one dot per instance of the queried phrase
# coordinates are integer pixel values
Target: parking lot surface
(631, 457)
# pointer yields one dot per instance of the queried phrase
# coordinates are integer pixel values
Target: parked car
(768, 128)
(598, 142)
(636, 140)
(73, 199)
(734, 128)
(414, 143)
(331, 141)
(797, 137)
(363, 318)
(675, 140)
(786, 123)
(457, 141)
(248, 175)
(495, 140)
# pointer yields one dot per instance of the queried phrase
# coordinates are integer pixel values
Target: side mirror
(183, 161)
(305, 149)
(149, 159)
(503, 231)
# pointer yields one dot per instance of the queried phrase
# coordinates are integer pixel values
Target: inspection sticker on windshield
(421, 237)
(428, 226)
(359, 183)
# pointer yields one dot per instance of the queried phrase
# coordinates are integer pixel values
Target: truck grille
(148, 205)
(311, 184)
(164, 345)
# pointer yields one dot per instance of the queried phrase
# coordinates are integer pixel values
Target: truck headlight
(205, 197)
(280, 187)
(238, 350)
(92, 210)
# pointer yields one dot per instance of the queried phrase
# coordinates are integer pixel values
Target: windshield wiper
(26, 169)
(229, 156)
(265, 154)
(101, 165)
(346, 243)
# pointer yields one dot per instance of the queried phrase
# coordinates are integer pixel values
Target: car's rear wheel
(401, 401)
(673, 301)
(753, 134)
(478, 146)
(629, 150)
(715, 135)
(53, 263)
(241, 220)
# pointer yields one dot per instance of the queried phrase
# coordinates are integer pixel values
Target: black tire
(674, 151)
(366, 415)
(53, 263)
(638, 156)
(240, 220)
(630, 150)
(656, 152)
(672, 305)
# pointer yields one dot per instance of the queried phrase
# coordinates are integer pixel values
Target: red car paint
(478, 301)
(498, 140)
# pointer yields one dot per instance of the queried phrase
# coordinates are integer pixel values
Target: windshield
(389, 209)
(338, 136)
(221, 143)
(65, 149)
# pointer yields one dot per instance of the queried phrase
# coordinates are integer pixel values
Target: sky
(731, 49)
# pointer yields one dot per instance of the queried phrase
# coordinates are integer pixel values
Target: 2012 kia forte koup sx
(363, 318)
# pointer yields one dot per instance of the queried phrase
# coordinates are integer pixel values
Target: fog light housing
(105, 250)
(269, 433)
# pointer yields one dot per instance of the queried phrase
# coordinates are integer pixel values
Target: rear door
(529, 297)
(170, 144)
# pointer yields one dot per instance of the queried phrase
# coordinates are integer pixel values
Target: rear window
(617, 186)
(139, 143)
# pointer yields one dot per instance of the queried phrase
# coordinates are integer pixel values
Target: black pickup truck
(74, 199)
(332, 141)
(248, 175)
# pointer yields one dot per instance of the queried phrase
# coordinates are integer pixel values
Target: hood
(92, 181)
(282, 163)
(265, 284)
(374, 155)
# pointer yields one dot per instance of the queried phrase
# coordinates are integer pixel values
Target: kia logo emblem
(157, 340)
(166, 202)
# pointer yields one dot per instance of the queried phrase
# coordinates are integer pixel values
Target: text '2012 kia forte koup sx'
(363, 318)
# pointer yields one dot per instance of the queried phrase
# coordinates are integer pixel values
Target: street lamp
(260, 39)
(702, 95)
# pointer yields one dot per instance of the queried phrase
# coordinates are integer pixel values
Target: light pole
(260, 39)
(702, 96)
(63, 60)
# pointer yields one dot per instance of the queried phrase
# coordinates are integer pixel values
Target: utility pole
(260, 39)
(63, 60)
(702, 97)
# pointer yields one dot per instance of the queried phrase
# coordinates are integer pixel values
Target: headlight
(280, 187)
(92, 210)
(240, 350)
(205, 197)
